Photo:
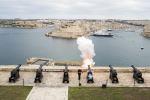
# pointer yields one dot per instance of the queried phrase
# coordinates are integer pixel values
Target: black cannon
(14, 75)
(113, 75)
(39, 74)
(137, 75)
(66, 75)
(89, 77)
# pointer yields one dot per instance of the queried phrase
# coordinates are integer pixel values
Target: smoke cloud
(86, 47)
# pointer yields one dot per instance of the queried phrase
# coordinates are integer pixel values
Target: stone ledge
(32, 68)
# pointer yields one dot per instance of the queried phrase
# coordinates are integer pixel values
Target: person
(79, 74)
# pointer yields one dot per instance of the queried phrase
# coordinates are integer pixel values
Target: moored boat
(103, 33)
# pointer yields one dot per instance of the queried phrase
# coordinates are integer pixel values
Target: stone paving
(48, 93)
(55, 79)
(52, 88)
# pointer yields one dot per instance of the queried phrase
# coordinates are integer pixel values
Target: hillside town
(78, 27)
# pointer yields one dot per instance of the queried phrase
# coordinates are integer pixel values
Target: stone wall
(32, 68)
(147, 30)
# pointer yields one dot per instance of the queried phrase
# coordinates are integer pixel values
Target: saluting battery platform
(44, 74)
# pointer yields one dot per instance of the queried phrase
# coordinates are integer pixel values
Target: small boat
(142, 48)
(109, 29)
(103, 33)
(48, 34)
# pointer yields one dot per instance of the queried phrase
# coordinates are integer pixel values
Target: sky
(72, 9)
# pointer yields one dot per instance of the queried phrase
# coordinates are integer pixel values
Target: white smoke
(86, 47)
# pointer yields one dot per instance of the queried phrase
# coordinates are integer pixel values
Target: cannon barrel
(133, 67)
(41, 65)
(18, 66)
(110, 66)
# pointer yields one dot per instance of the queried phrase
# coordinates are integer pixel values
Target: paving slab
(48, 93)
(55, 79)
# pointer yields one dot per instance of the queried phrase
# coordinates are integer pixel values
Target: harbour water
(124, 49)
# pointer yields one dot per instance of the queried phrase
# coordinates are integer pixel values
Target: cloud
(125, 9)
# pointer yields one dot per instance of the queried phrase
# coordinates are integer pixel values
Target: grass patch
(97, 93)
(14, 92)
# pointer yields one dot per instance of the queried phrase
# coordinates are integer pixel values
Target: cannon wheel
(35, 81)
(13, 80)
(87, 81)
(39, 81)
(9, 80)
(109, 76)
(139, 81)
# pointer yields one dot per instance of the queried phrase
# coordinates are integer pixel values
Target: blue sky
(96, 9)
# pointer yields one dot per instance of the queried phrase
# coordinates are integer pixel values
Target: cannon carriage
(39, 74)
(66, 75)
(89, 77)
(137, 75)
(14, 75)
(113, 75)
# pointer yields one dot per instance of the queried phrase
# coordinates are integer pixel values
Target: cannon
(137, 75)
(66, 75)
(39, 74)
(113, 75)
(14, 75)
(89, 77)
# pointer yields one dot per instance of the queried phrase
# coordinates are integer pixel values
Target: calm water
(122, 50)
